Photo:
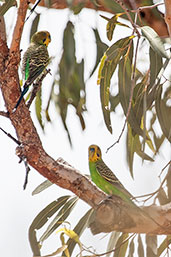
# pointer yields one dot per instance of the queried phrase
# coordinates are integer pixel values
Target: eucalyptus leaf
(151, 242)
(60, 217)
(44, 185)
(140, 247)
(121, 248)
(41, 219)
(155, 41)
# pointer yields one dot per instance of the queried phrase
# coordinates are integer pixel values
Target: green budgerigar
(103, 177)
(35, 60)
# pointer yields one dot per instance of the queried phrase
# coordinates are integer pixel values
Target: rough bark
(58, 172)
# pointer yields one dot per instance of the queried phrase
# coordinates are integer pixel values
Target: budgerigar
(35, 60)
(103, 177)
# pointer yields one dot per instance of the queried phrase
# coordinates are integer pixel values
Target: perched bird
(103, 177)
(35, 60)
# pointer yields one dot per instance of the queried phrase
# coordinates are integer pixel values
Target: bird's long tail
(26, 87)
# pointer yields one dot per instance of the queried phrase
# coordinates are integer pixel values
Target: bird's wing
(108, 175)
(34, 62)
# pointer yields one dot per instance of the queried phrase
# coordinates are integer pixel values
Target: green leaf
(140, 247)
(59, 218)
(151, 242)
(7, 5)
(110, 27)
(130, 149)
(139, 151)
(112, 242)
(163, 112)
(44, 185)
(155, 66)
(79, 229)
(164, 245)
(114, 101)
(168, 183)
(134, 146)
(41, 219)
(100, 49)
(131, 248)
(77, 8)
(121, 247)
(35, 24)
(125, 86)
(71, 82)
(155, 41)
(38, 107)
(107, 67)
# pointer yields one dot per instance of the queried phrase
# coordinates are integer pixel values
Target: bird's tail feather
(26, 87)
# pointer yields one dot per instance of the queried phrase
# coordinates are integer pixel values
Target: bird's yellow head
(94, 153)
(41, 38)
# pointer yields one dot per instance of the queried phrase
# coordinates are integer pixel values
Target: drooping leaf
(131, 248)
(151, 242)
(59, 218)
(125, 87)
(168, 183)
(114, 101)
(163, 112)
(112, 22)
(134, 146)
(162, 197)
(44, 185)
(130, 149)
(79, 229)
(100, 49)
(155, 41)
(107, 67)
(164, 245)
(140, 247)
(5, 6)
(112, 242)
(34, 25)
(121, 247)
(71, 82)
(63, 244)
(155, 66)
(41, 219)
(38, 107)
(77, 8)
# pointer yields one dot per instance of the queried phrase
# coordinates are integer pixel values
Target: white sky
(18, 207)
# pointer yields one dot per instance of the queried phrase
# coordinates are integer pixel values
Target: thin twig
(4, 114)
(139, 9)
(22, 158)
(128, 15)
(160, 187)
(10, 136)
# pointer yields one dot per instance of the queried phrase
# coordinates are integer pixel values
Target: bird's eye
(98, 155)
(92, 149)
(44, 40)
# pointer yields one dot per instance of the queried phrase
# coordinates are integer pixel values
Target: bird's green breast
(103, 184)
